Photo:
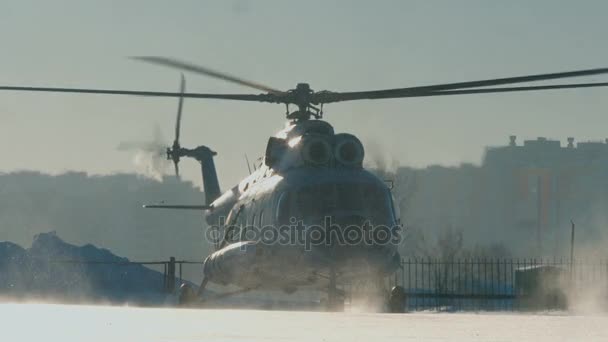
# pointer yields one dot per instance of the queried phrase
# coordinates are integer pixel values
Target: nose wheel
(187, 296)
(397, 300)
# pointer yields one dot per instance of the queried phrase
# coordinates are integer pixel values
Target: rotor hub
(303, 97)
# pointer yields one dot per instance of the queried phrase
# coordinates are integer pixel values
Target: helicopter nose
(346, 231)
(350, 219)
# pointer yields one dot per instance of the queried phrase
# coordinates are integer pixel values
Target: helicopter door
(283, 208)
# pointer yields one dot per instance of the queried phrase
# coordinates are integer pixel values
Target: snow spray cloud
(149, 158)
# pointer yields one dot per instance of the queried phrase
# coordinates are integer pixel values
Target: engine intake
(348, 150)
(316, 150)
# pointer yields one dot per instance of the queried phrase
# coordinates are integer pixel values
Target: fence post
(181, 279)
(171, 275)
(165, 276)
(403, 273)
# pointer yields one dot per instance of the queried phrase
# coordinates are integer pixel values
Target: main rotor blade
(241, 97)
(329, 97)
(205, 71)
(180, 104)
(186, 207)
(492, 90)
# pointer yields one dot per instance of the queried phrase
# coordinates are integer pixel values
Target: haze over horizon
(341, 45)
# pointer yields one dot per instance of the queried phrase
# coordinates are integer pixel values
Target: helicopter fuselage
(288, 227)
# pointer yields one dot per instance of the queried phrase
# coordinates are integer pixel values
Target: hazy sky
(335, 45)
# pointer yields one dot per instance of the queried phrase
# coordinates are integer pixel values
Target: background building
(522, 196)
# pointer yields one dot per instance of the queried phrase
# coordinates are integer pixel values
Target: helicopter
(289, 224)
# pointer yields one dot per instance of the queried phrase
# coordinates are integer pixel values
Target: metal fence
(497, 284)
(172, 269)
(465, 284)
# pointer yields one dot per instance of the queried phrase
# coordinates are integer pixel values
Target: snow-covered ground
(49, 322)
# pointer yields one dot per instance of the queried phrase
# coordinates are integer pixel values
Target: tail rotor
(175, 151)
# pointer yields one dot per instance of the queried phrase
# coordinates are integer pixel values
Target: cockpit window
(284, 208)
(317, 201)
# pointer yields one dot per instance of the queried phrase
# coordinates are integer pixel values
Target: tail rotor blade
(176, 164)
(174, 151)
(180, 105)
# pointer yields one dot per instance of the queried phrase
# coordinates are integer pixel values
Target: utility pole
(539, 212)
(572, 246)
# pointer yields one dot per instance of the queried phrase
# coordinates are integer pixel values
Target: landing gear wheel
(186, 295)
(335, 301)
(397, 300)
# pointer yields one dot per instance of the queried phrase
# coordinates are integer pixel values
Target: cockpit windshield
(316, 201)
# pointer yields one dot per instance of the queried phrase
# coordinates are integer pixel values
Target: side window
(249, 223)
(252, 209)
(233, 216)
(261, 219)
(396, 208)
(243, 217)
(235, 222)
(283, 208)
